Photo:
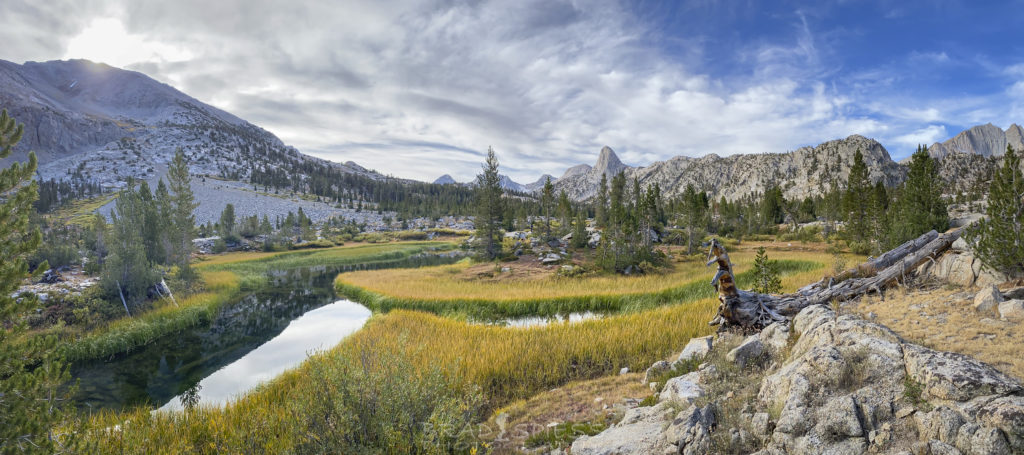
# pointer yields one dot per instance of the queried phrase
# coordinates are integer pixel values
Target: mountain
(800, 173)
(984, 140)
(577, 170)
(95, 122)
(445, 180)
(539, 184)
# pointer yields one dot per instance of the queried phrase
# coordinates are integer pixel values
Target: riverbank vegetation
(460, 290)
(223, 278)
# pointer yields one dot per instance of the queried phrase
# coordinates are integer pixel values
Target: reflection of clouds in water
(318, 329)
(534, 321)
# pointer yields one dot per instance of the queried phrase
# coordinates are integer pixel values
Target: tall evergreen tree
(182, 220)
(693, 217)
(547, 201)
(920, 207)
(601, 203)
(227, 221)
(857, 204)
(489, 207)
(128, 272)
(564, 212)
(998, 239)
(32, 403)
(579, 232)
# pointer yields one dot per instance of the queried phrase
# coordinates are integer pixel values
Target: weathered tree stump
(752, 310)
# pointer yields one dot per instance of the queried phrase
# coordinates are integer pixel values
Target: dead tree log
(753, 310)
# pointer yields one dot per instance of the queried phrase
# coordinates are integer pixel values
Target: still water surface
(248, 342)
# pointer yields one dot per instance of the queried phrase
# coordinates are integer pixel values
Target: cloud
(422, 88)
(927, 136)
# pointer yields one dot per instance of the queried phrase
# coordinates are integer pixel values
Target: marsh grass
(442, 290)
(412, 381)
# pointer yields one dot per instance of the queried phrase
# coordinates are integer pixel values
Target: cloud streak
(418, 89)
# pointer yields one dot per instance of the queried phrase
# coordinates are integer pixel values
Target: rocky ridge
(109, 124)
(827, 383)
(801, 173)
(985, 140)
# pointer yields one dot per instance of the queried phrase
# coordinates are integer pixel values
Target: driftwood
(753, 310)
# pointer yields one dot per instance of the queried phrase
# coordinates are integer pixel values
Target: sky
(417, 89)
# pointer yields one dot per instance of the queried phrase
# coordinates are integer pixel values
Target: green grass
(510, 307)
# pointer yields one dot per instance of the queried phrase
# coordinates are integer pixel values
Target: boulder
(696, 348)
(775, 336)
(749, 350)
(1011, 310)
(1007, 414)
(689, 430)
(955, 377)
(655, 369)
(987, 298)
(684, 389)
(639, 432)
(550, 259)
(961, 270)
(942, 423)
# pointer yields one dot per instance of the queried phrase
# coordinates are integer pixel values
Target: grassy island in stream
(479, 292)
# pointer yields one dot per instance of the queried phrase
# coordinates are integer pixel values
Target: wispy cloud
(419, 89)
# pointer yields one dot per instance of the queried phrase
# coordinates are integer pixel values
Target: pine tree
(128, 272)
(998, 240)
(227, 221)
(489, 207)
(857, 205)
(183, 222)
(547, 199)
(920, 207)
(32, 402)
(694, 217)
(564, 212)
(579, 233)
(601, 203)
(880, 221)
(766, 274)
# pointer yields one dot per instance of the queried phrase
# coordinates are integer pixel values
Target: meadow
(403, 367)
(449, 290)
(225, 278)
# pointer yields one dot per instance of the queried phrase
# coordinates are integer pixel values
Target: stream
(248, 342)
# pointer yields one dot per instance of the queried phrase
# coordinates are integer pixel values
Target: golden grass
(941, 320)
(447, 282)
(508, 364)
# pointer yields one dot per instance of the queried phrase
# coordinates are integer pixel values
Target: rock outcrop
(844, 386)
(801, 173)
(985, 140)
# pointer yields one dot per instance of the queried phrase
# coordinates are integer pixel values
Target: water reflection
(241, 343)
(536, 321)
(318, 329)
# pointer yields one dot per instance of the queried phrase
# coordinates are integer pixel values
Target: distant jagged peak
(445, 180)
(540, 182)
(608, 163)
(984, 140)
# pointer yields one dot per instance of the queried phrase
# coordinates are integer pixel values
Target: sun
(105, 40)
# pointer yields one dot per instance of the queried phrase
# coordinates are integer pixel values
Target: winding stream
(249, 342)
